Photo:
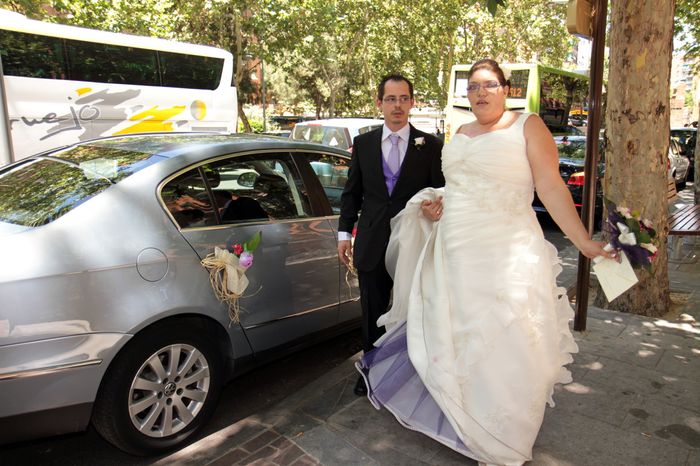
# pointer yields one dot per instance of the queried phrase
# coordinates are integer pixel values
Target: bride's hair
(490, 65)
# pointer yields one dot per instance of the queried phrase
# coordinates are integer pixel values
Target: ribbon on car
(227, 279)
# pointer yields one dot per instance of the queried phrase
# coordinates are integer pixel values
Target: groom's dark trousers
(366, 194)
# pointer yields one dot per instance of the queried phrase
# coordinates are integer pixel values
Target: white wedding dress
(478, 332)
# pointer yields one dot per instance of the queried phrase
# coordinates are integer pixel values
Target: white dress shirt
(404, 135)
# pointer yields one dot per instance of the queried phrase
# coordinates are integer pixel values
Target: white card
(615, 278)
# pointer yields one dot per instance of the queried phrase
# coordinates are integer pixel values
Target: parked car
(566, 130)
(108, 315)
(335, 132)
(678, 164)
(572, 156)
(687, 138)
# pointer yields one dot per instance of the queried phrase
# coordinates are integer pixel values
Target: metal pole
(600, 14)
(264, 101)
(6, 154)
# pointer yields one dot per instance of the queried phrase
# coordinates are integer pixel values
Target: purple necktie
(394, 156)
(392, 165)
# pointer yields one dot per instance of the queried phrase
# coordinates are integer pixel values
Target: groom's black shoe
(360, 387)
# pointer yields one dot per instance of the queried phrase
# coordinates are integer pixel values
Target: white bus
(66, 84)
(556, 95)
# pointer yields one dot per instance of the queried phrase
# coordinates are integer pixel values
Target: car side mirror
(247, 179)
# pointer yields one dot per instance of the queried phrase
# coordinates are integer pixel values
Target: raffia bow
(227, 279)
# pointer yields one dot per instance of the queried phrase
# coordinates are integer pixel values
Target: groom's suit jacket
(366, 191)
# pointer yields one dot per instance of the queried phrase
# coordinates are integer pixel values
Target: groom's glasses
(392, 99)
(490, 86)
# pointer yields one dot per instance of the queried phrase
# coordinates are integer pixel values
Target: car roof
(343, 122)
(170, 145)
(691, 129)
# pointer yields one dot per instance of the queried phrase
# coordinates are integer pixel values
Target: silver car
(107, 315)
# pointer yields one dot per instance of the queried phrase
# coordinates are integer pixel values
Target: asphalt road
(252, 392)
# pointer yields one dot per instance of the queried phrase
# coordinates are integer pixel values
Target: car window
(332, 172)
(187, 200)
(333, 136)
(255, 188)
(39, 191)
(367, 129)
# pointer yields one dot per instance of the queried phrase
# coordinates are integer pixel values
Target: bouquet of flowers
(631, 233)
(227, 272)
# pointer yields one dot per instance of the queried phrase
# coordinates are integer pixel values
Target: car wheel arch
(218, 356)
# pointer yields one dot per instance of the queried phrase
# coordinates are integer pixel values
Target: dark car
(687, 138)
(572, 156)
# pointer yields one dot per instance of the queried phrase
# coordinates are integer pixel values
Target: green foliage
(329, 55)
(687, 28)
(253, 243)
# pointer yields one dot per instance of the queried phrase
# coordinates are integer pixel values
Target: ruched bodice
(490, 170)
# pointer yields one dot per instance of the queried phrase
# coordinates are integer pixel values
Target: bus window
(32, 55)
(106, 63)
(189, 71)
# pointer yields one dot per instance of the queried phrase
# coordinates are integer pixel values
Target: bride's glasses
(490, 86)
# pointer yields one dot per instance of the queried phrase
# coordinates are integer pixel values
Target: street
(251, 393)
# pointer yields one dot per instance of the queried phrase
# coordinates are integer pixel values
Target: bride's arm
(544, 163)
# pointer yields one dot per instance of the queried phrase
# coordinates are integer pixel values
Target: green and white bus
(552, 93)
(66, 84)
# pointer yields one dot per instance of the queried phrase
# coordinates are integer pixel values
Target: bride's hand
(592, 249)
(432, 209)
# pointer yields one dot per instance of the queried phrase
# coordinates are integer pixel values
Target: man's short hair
(393, 77)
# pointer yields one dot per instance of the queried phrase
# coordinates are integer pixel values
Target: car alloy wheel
(161, 388)
(169, 390)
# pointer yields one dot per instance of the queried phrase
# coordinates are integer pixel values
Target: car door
(329, 172)
(289, 295)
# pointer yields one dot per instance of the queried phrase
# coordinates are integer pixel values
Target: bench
(684, 222)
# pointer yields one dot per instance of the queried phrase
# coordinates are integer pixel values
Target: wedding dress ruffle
(476, 314)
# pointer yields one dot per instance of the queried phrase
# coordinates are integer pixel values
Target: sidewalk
(635, 400)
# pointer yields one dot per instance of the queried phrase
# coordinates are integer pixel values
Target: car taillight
(576, 179)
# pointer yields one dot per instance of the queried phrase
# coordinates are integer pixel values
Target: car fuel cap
(152, 264)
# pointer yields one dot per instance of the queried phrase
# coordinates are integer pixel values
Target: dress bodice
(491, 169)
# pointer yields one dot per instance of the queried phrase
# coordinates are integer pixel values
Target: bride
(478, 332)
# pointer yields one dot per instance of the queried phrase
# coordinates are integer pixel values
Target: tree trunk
(244, 118)
(637, 124)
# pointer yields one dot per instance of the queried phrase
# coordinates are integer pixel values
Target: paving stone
(624, 377)
(381, 428)
(265, 454)
(610, 405)
(295, 423)
(231, 457)
(215, 445)
(694, 458)
(330, 449)
(619, 348)
(260, 441)
(571, 438)
(678, 426)
(331, 400)
(382, 449)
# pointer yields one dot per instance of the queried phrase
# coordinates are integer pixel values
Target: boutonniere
(419, 142)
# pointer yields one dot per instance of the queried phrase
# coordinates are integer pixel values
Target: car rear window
(43, 189)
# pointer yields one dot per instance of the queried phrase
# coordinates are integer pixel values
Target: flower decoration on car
(227, 272)
(419, 142)
(632, 234)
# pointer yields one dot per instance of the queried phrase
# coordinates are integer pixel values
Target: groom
(389, 165)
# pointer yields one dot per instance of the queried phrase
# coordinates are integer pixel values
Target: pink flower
(237, 249)
(246, 259)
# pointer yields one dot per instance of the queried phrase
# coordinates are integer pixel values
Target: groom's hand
(345, 251)
(432, 209)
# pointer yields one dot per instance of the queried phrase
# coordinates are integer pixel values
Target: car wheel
(161, 388)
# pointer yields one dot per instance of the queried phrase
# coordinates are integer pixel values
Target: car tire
(162, 387)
